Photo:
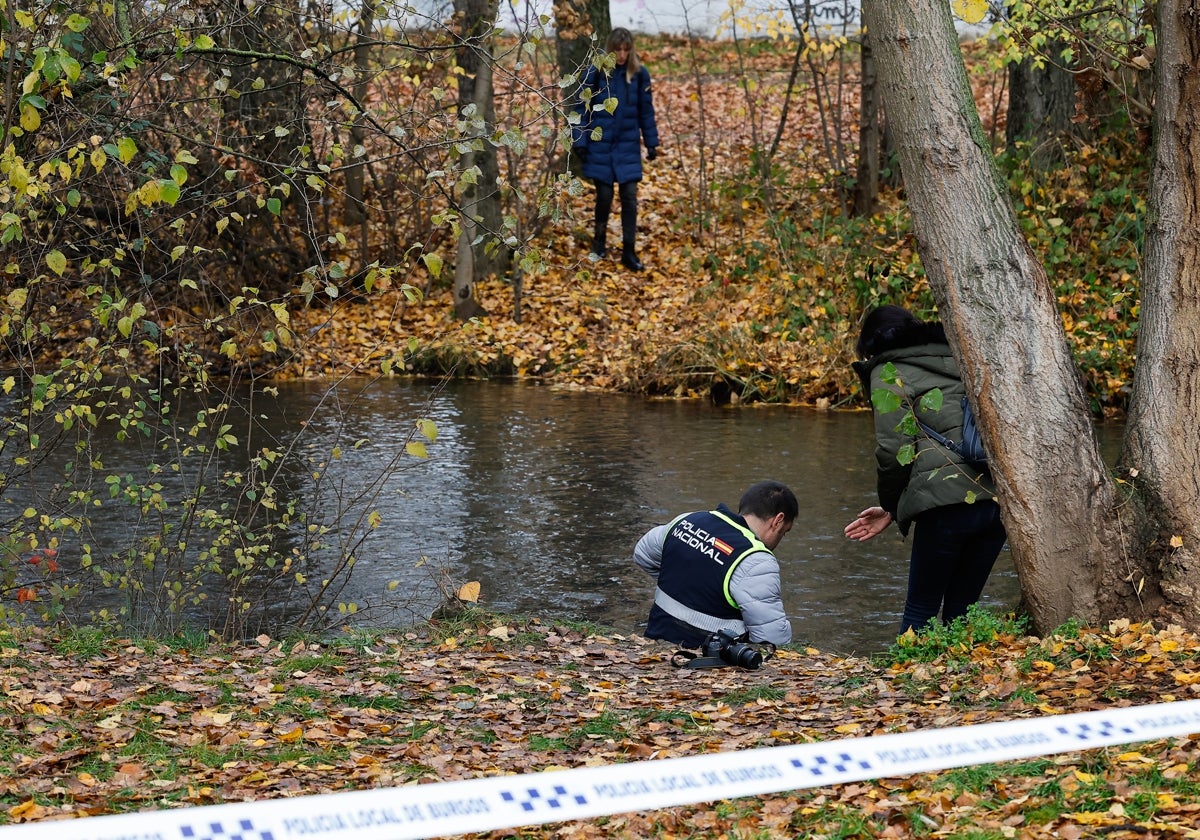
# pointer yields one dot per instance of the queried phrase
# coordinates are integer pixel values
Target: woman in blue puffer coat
(608, 140)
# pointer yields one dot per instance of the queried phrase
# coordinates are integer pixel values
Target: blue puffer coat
(616, 156)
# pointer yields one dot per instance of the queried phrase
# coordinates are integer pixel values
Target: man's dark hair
(767, 498)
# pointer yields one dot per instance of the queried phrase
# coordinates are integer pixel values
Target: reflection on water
(540, 495)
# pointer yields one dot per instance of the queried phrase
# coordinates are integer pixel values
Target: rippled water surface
(540, 495)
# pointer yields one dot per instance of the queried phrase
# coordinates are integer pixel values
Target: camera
(740, 654)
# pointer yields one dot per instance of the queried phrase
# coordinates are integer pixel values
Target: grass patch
(953, 641)
(606, 725)
(750, 695)
(82, 642)
(379, 702)
(308, 663)
(836, 823)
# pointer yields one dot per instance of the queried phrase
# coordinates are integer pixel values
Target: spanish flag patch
(723, 546)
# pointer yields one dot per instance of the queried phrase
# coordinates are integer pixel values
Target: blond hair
(622, 37)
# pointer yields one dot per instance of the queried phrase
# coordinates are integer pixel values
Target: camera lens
(743, 656)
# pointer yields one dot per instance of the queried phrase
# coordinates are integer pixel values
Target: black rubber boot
(629, 260)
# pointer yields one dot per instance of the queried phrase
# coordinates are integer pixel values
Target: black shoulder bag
(971, 448)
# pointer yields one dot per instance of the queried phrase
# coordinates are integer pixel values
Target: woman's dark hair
(767, 498)
(883, 326)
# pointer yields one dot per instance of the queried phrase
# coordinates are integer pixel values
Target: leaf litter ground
(96, 725)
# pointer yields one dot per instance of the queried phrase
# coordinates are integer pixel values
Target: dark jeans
(954, 548)
(629, 208)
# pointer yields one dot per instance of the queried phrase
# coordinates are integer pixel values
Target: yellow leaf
(295, 735)
(416, 449)
(57, 262)
(1176, 541)
(127, 149)
(31, 120)
(27, 810)
(1086, 778)
(970, 11)
(468, 592)
(427, 428)
(847, 728)
(500, 632)
(1044, 666)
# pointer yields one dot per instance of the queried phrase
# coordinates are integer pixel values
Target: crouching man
(716, 570)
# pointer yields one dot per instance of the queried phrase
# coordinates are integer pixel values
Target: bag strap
(687, 659)
(959, 449)
(940, 438)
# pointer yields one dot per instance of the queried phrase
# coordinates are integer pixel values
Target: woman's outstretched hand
(869, 523)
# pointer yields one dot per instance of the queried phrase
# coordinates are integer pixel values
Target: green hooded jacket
(936, 476)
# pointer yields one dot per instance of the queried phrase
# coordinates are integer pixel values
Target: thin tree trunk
(476, 60)
(576, 22)
(581, 27)
(870, 136)
(1041, 101)
(355, 212)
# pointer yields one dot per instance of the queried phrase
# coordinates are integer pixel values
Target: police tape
(498, 802)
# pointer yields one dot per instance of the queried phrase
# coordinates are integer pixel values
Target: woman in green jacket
(958, 533)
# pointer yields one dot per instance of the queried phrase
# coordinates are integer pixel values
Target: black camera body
(728, 649)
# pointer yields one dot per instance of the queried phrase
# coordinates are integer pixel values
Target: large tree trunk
(1064, 518)
(1161, 458)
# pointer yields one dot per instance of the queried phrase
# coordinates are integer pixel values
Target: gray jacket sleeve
(648, 552)
(756, 587)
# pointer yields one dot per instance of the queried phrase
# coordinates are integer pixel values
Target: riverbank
(754, 286)
(92, 725)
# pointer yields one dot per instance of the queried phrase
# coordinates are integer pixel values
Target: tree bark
(355, 213)
(1060, 505)
(870, 135)
(581, 27)
(1161, 456)
(576, 22)
(474, 56)
(1041, 101)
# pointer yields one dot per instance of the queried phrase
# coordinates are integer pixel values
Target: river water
(540, 496)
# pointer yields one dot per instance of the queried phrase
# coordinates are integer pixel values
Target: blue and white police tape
(498, 802)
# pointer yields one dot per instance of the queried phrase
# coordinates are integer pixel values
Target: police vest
(699, 555)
